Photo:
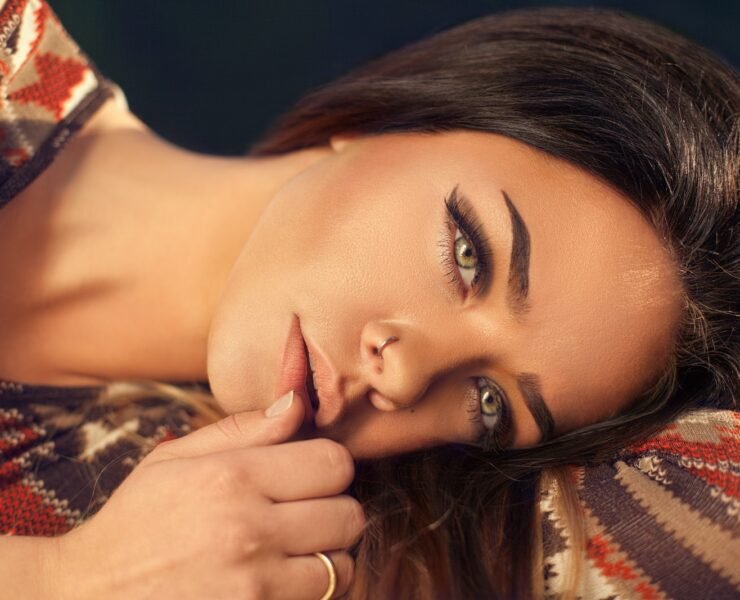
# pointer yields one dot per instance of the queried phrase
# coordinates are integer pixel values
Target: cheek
(385, 434)
(439, 418)
(336, 249)
(358, 246)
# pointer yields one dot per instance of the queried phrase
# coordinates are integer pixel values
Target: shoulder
(662, 519)
(48, 90)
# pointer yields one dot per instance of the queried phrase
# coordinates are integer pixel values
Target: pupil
(465, 253)
(489, 403)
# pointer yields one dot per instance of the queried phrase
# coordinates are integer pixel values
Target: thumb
(240, 430)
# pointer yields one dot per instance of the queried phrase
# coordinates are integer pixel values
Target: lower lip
(295, 368)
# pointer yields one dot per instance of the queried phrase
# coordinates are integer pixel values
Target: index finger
(239, 430)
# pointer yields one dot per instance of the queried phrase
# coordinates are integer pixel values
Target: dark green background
(212, 75)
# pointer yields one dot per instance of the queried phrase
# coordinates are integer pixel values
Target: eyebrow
(529, 384)
(519, 261)
(531, 388)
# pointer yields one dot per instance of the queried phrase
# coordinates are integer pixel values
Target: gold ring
(332, 575)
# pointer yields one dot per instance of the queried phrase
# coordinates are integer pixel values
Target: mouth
(324, 387)
(310, 373)
(313, 395)
(295, 373)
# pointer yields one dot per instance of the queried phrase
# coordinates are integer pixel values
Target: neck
(122, 251)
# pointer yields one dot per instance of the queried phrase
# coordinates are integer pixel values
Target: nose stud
(379, 348)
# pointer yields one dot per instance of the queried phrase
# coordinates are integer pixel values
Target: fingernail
(280, 405)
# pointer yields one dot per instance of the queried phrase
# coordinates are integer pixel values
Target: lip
(295, 369)
(331, 402)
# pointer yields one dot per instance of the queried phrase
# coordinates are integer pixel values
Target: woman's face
(519, 287)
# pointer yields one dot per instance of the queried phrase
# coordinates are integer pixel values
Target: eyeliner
(463, 214)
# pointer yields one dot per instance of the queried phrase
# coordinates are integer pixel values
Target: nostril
(374, 358)
(370, 354)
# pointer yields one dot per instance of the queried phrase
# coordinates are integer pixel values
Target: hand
(225, 512)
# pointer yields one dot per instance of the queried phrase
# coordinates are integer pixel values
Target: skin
(346, 237)
(351, 245)
(250, 533)
(220, 256)
(253, 534)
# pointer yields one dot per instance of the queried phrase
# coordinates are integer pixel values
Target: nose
(397, 362)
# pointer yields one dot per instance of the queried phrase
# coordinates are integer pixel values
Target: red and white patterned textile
(48, 89)
(662, 518)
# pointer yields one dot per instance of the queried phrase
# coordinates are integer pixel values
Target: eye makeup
(492, 422)
(461, 216)
(491, 437)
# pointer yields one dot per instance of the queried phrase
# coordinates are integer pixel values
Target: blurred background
(211, 76)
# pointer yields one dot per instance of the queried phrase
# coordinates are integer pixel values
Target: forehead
(604, 292)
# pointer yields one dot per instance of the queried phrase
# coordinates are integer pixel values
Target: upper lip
(331, 402)
(294, 368)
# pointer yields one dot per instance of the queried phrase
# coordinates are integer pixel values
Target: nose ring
(379, 348)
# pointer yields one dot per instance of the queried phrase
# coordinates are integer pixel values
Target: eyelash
(495, 438)
(460, 217)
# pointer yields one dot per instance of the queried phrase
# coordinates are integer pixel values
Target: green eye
(465, 255)
(491, 405)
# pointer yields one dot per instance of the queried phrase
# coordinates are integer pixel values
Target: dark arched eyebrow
(531, 389)
(529, 384)
(519, 261)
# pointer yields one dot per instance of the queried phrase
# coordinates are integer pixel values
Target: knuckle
(229, 427)
(264, 531)
(225, 480)
(250, 544)
(233, 545)
(247, 539)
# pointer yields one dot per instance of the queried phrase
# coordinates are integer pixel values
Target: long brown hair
(650, 113)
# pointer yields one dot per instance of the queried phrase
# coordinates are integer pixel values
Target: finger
(320, 524)
(296, 471)
(240, 430)
(307, 578)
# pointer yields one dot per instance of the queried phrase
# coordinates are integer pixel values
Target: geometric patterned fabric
(662, 518)
(48, 89)
(62, 454)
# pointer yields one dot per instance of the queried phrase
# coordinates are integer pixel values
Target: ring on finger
(329, 593)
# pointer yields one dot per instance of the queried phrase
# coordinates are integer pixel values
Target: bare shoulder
(41, 234)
